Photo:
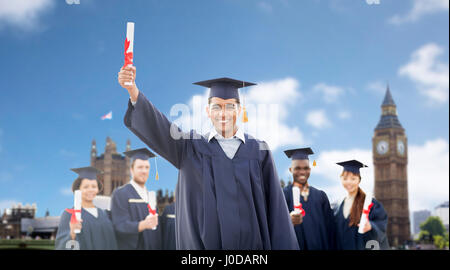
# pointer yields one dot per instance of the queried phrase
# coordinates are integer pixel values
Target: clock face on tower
(382, 147)
(401, 147)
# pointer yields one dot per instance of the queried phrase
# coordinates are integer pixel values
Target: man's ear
(290, 169)
(207, 111)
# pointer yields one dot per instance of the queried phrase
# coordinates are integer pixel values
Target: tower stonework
(116, 172)
(115, 166)
(390, 157)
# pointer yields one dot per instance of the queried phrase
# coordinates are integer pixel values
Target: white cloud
(268, 105)
(23, 14)
(318, 119)
(344, 115)
(430, 74)
(330, 93)
(428, 173)
(420, 8)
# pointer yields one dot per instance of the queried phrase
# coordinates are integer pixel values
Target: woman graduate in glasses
(372, 234)
(95, 227)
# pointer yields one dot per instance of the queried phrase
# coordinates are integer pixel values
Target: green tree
(434, 226)
(424, 237)
(446, 240)
(439, 241)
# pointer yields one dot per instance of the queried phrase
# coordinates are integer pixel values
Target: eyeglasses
(228, 107)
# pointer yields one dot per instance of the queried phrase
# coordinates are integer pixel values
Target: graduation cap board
(143, 154)
(226, 88)
(352, 166)
(300, 154)
(87, 172)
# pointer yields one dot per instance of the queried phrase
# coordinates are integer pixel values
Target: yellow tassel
(314, 163)
(156, 167)
(244, 116)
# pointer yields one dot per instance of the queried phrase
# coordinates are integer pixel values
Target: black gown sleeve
(156, 131)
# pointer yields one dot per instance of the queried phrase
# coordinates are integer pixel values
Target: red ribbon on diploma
(73, 218)
(128, 56)
(300, 208)
(150, 210)
(367, 211)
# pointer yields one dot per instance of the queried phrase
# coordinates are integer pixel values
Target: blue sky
(325, 63)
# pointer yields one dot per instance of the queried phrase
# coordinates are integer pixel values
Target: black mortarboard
(224, 88)
(141, 153)
(352, 165)
(299, 153)
(87, 172)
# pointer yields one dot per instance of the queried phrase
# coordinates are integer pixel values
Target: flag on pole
(107, 116)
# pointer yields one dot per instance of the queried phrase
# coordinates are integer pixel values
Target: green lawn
(27, 244)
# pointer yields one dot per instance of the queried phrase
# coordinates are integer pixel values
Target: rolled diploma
(77, 206)
(296, 198)
(130, 37)
(152, 202)
(364, 217)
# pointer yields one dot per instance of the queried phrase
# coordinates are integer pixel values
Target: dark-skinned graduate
(96, 231)
(348, 214)
(315, 226)
(228, 192)
(133, 216)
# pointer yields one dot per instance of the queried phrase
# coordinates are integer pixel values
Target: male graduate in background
(315, 230)
(228, 191)
(130, 207)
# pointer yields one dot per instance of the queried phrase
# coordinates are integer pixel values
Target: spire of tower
(389, 117)
(388, 100)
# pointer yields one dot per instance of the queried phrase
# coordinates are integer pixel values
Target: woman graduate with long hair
(94, 230)
(372, 234)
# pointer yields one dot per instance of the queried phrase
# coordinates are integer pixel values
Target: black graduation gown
(168, 227)
(348, 238)
(126, 216)
(221, 203)
(96, 232)
(317, 229)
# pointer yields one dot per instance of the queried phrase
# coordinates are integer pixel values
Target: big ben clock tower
(390, 158)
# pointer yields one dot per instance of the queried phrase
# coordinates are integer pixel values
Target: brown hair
(237, 100)
(77, 183)
(132, 163)
(358, 203)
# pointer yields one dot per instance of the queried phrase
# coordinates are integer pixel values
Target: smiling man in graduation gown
(315, 230)
(130, 207)
(228, 191)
